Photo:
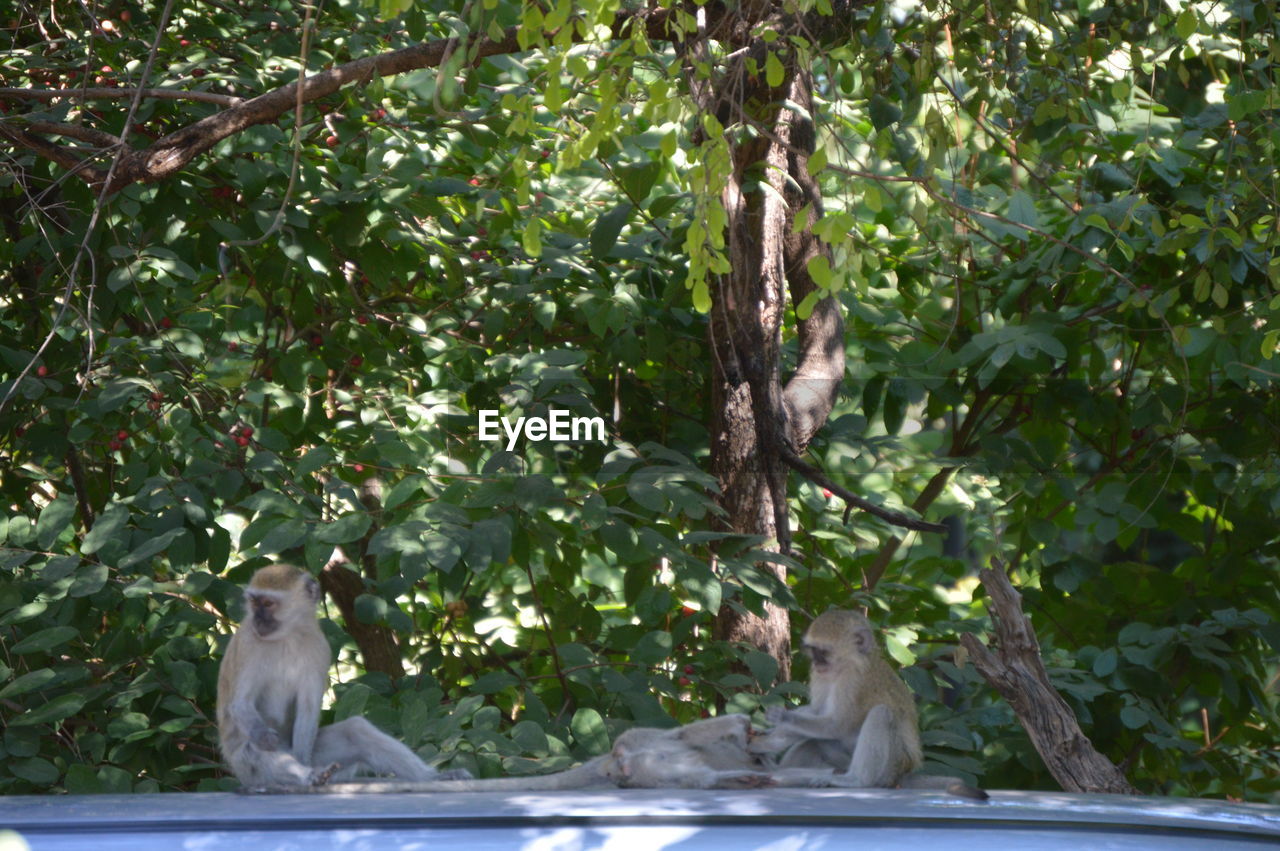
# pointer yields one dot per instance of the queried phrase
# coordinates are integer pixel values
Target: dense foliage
(1054, 229)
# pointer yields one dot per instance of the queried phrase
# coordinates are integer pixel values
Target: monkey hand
(454, 774)
(775, 714)
(265, 738)
(771, 741)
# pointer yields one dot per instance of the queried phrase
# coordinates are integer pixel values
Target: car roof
(658, 818)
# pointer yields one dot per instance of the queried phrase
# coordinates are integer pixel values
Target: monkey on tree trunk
(860, 720)
(270, 685)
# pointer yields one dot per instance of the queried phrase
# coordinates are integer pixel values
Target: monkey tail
(937, 783)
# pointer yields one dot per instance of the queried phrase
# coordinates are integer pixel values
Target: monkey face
(263, 613)
(818, 655)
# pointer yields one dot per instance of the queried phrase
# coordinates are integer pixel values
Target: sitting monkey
(270, 685)
(861, 718)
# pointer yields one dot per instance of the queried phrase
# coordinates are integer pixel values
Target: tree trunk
(755, 423)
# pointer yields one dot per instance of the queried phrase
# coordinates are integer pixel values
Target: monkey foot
(321, 776)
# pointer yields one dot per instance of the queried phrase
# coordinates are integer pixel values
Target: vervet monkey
(860, 720)
(707, 754)
(270, 685)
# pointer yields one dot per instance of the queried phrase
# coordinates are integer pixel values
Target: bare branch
(1017, 671)
(120, 93)
(75, 131)
(64, 157)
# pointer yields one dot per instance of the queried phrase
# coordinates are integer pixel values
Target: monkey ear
(312, 587)
(864, 639)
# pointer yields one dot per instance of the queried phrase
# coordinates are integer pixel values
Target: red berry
(198, 72)
(356, 360)
(688, 669)
(331, 140)
(153, 405)
(122, 435)
(125, 15)
(247, 431)
(359, 468)
(42, 370)
(688, 611)
(475, 181)
(826, 494)
(157, 396)
(233, 346)
(241, 440)
(182, 42)
(19, 431)
(379, 114)
(166, 322)
(116, 446)
(684, 681)
(317, 340)
(362, 319)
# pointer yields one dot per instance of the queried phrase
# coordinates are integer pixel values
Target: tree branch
(1017, 672)
(171, 153)
(120, 93)
(895, 518)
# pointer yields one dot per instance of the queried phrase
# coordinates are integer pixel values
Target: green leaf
(653, 648)
(882, 112)
(819, 269)
(1133, 717)
(817, 162)
(35, 770)
(283, 536)
(55, 517)
(58, 709)
(604, 236)
(531, 238)
(774, 72)
(150, 547)
(115, 393)
(589, 730)
(1187, 23)
(1104, 665)
(33, 681)
(351, 526)
(90, 579)
(44, 640)
(105, 529)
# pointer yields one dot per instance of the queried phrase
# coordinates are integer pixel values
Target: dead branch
(1017, 672)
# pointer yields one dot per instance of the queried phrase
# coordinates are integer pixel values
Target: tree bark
(755, 423)
(1017, 672)
(377, 644)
